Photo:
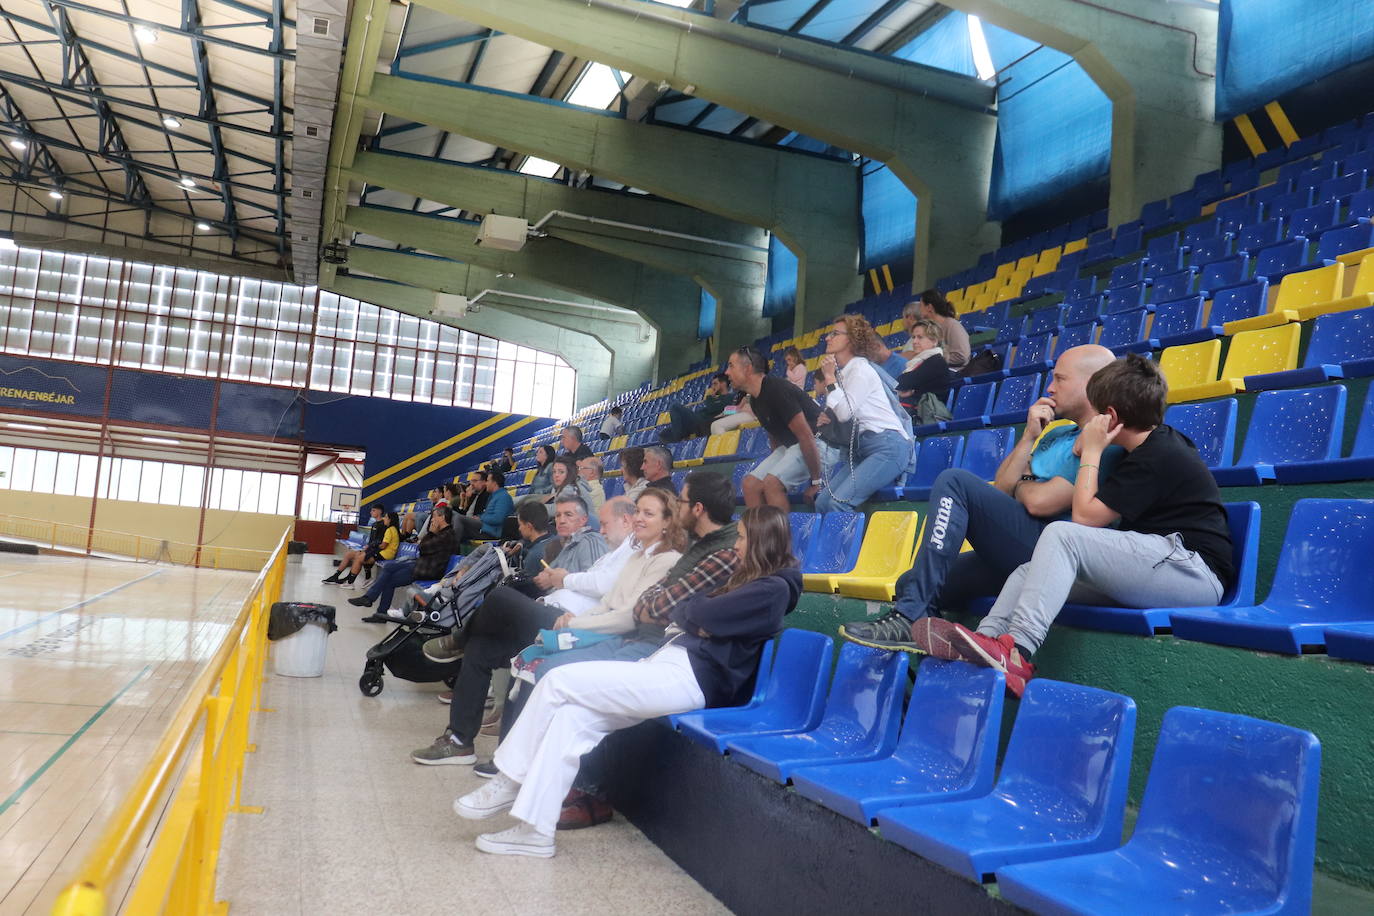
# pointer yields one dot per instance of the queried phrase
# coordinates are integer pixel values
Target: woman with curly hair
(879, 447)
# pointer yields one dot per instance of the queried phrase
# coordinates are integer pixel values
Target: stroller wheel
(370, 683)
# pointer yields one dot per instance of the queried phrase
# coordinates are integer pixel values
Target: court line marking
(12, 731)
(80, 604)
(66, 745)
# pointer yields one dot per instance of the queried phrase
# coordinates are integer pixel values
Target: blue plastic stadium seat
(1086, 309)
(1127, 240)
(972, 409)
(1343, 342)
(1235, 303)
(1259, 235)
(1340, 188)
(737, 477)
(1124, 298)
(1212, 427)
(835, 544)
(1228, 824)
(1010, 330)
(1128, 274)
(984, 450)
(1290, 203)
(1308, 221)
(1353, 641)
(1345, 240)
(860, 721)
(1324, 577)
(1154, 214)
(1304, 424)
(937, 453)
(1032, 354)
(1180, 322)
(1360, 205)
(753, 443)
(1014, 397)
(1044, 320)
(1358, 466)
(803, 526)
(1243, 521)
(1274, 190)
(1061, 791)
(1202, 229)
(1205, 251)
(1223, 273)
(947, 749)
(1075, 335)
(1277, 261)
(1174, 285)
(612, 486)
(1124, 332)
(789, 698)
(1081, 288)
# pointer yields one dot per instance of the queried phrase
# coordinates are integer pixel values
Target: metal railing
(205, 742)
(66, 536)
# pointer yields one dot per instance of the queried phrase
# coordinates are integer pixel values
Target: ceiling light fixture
(171, 122)
(203, 227)
(18, 145)
(55, 194)
(145, 33)
(157, 441)
(28, 426)
(188, 182)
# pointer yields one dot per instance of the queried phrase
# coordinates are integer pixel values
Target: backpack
(452, 605)
(985, 360)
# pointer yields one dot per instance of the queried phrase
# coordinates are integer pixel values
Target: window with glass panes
(169, 319)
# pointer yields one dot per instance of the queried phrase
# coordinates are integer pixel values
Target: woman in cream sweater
(659, 542)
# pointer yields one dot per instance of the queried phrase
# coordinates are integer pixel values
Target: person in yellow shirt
(377, 549)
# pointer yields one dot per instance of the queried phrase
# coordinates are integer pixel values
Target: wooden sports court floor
(94, 657)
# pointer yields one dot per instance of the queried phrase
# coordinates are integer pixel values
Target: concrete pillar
(934, 129)
(809, 201)
(1156, 62)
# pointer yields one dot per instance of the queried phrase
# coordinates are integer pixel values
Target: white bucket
(302, 653)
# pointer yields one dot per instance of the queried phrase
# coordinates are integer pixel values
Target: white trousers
(731, 421)
(572, 709)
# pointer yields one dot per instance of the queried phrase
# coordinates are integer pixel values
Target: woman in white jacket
(880, 447)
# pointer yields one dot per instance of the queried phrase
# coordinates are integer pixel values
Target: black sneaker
(486, 769)
(333, 578)
(360, 601)
(892, 632)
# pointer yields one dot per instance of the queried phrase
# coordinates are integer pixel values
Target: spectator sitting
(796, 367)
(499, 505)
(632, 470)
(927, 373)
(931, 305)
(506, 463)
(542, 484)
(589, 473)
(437, 546)
(1170, 547)
(353, 560)
(473, 499)
(879, 449)
(686, 422)
(573, 446)
(410, 523)
(708, 661)
(506, 621)
(733, 418)
(789, 417)
(658, 468)
(611, 426)
(1034, 485)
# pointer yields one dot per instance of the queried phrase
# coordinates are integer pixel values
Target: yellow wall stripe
(421, 456)
(449, 459)
(1249, 134)
(1281, 123)
(887, 278)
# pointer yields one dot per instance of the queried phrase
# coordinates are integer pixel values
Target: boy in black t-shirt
(1171, 546)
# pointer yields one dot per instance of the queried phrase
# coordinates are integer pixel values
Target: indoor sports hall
(686, 456)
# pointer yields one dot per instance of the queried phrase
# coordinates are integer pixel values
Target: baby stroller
(401, 652)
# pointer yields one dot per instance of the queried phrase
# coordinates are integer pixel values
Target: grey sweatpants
(1102, 566)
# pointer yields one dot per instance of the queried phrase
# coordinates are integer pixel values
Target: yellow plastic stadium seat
(1004, 270)
(955, 296)
(1008, 293)
(1026, 264)
(1047, 262)
(722, 444)
(664, 417)
(1252, 353)
(889, 543)
(813, 364)
(1075, 245)
(529, 475)
(1355, 291)
(812, 338)
(619, 442)
(1189, 366)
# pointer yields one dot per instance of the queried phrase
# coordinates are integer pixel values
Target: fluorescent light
(203, 227)
(171, 122)
(158, 441)
(145, 33)
(188, 182)
(28, 426)
(18, 145)
(542, 168)
(55, 194)
(982, 57)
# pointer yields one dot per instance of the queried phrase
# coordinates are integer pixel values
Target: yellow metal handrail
(122, 543)
(178, 875)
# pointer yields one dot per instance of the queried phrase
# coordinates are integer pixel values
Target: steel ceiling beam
(197, 34)
(190, 17)
(35, 155)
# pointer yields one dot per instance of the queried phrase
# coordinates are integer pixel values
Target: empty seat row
(1048, 826)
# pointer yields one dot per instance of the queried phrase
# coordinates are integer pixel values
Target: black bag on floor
(289, 616)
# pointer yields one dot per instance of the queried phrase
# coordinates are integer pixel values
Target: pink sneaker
(1000, 653)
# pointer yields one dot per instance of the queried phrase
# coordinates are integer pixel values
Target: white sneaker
(488, 801)
(520, 840)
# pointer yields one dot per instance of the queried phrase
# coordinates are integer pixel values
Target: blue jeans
(964, 507)
(882, 456)
(394, 574)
